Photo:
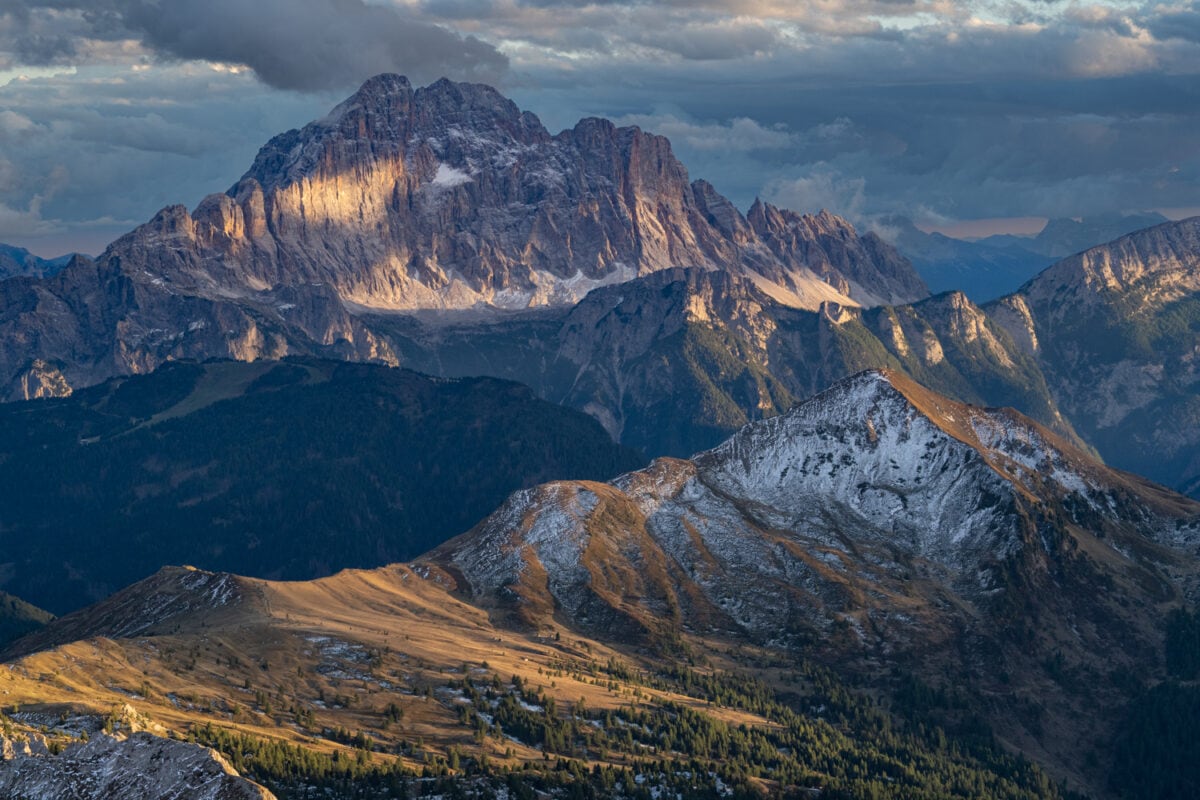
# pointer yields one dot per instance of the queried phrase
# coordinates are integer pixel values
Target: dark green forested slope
(18, 618)
(276, 469)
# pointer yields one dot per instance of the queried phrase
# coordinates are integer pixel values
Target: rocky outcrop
(1143, 270)
(107, 767)
(862, 267)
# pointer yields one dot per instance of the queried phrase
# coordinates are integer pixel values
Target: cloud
(948, 108)
(102, 149)
(708, 40)
(290, 44)
(1178, 24)
(736, 135)
(824, 189)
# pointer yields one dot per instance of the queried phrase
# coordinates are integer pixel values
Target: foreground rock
(142, 766)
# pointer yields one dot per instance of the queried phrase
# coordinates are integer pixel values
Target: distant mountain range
(17, 261)
(1065, 237)
(985, 269)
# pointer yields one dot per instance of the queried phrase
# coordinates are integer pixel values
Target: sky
(961, 115)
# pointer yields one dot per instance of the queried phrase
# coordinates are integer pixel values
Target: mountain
(387, 683)
(1117, 332)
(1063, 237)
(287, 469)
(16, 261)
(18, 618)
(876, 526)
(988, 268)
(880, 581)
(445, 230)
(983, 270)
(446, 197)
(1108, 340)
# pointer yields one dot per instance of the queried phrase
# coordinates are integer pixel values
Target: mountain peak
(379, 91)
(876, 507)
(387, 83)
(882, 446)
(450, 195)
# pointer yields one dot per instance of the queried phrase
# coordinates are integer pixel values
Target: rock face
(108, 768)
(446, 197)
(449, 196)
(830, 246)
(877, 522)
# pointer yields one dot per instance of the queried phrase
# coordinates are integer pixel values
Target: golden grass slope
(297, 660)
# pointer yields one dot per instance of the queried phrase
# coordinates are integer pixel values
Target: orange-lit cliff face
(451, 197)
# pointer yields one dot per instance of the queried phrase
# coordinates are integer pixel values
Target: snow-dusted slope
(873, 497)
(110, 768)
(878, 528)
(171, 600)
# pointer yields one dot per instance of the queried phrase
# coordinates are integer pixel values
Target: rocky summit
(450, 196)
(107, 767)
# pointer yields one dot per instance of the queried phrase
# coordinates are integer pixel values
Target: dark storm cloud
(1178, 25)
(988, 147)
(933, 108)
(290, 44)
(38, 50)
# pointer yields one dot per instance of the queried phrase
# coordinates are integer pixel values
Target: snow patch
(448, 177)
